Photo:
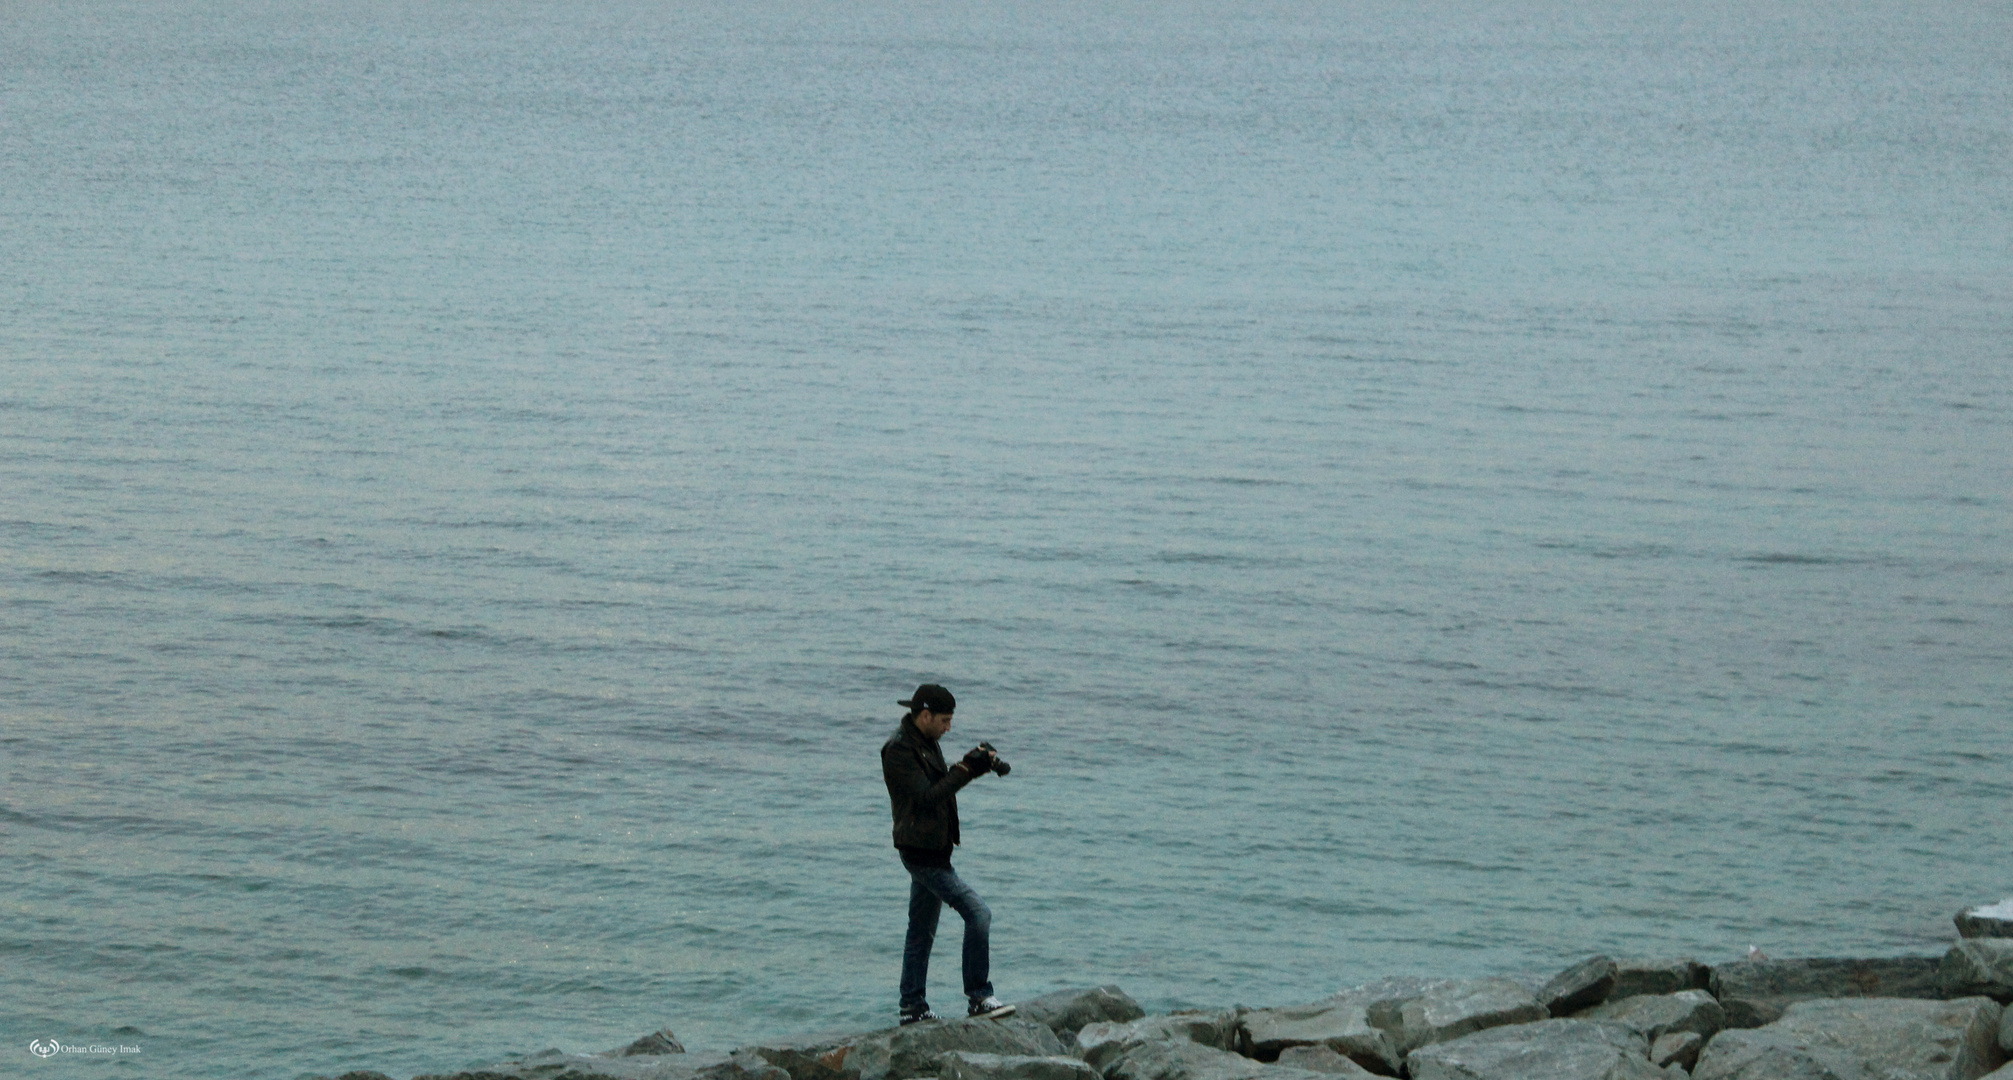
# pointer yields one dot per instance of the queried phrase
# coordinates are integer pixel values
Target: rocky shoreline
(1902, 1018)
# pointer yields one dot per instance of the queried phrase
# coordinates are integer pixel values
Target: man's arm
(908, 782)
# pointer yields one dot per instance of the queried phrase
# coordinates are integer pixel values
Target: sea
(1435, 488)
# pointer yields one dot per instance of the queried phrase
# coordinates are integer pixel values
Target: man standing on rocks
(924, 796)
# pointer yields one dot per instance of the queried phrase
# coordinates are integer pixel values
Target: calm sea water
(1428, 489)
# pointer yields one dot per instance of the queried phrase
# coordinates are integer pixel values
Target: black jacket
(922, 790)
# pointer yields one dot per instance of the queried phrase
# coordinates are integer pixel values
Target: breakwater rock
(1907, 1018)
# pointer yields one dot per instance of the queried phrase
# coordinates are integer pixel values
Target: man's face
(933, 724)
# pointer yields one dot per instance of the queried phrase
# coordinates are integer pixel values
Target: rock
(1545, 1050)
(2006, 1033)
(1753, 1054)
(1655, 1015)
(657, 1042)
(1585, 984)
(2004, 1072)
(1755, 992)
(820, 1056)
(1320, 1059)
(1342, 1023)
(1978, 966)
(1861, 1039)
(1341, 1026)
(1453, 1009)
(557, 1065)
(1182, 1060)
(1678, 1048)
(1635, 977)
(964, 1065)
(1994, 921)
(1103, 1042)
(918, 1049)
(1067, 1011)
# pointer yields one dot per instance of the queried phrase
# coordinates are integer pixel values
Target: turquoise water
(1429, 489)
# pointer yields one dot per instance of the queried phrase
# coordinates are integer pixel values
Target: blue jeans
(930, 888)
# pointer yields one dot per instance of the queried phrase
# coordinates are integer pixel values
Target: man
(923, 793)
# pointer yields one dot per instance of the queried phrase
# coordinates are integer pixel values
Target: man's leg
(924, 907)
(946, 886)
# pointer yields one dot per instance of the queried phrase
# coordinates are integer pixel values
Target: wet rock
(918, 1049)
(1067, 1011)
(1103, 1042)
(1678, 1048)
(1755, 992)
(1321, 1059)
(1545, 1050)
(657, 1042)
(964, 1065)
(1992, 921)
(1584, 985)
(1862, 1039)
(1636, 977)
(1655, 1015)
(1978, 966)
(1453, 1009)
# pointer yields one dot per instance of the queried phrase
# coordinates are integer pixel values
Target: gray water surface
(1413, 489)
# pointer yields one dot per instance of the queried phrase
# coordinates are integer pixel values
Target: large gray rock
(1321, 1059)
(658, 1042)
(2006, 1033)
(1546, 1050)
(2004, 1072)
(1582, 986)
(1755, 1054)
(1182, 1060)
(1678, 1048)
(1992, 921)
(558, 1065)
(1978, 966)
(818, 1056)
(1341, 1023)
(1456, 1008)
(1102, 1042)
(1659, 976)
(1067, 1011)
(1862, 1039)
(1655, 1015)
(919, 1049)
(1755, 992)
(964, 1065)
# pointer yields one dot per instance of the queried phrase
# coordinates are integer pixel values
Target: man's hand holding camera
(982, 759)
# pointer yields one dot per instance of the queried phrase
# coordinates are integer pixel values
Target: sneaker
(917, 1017)
(990, 1008)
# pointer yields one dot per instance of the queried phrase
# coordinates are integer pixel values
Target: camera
(999, 764)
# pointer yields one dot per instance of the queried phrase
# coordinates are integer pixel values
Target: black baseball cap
(932, 697)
